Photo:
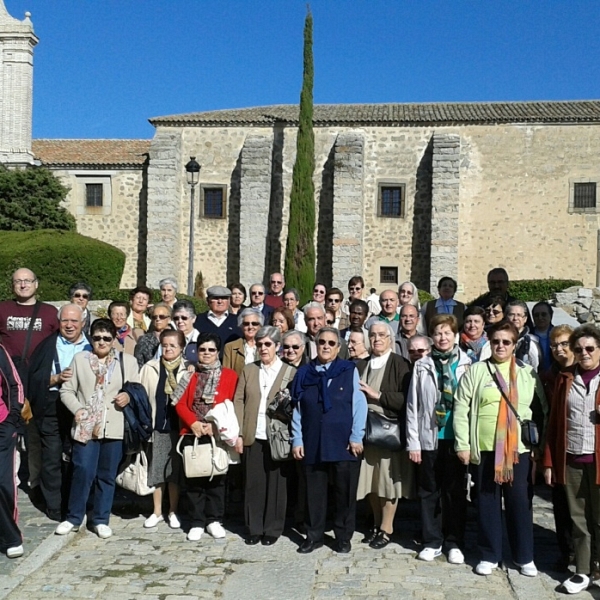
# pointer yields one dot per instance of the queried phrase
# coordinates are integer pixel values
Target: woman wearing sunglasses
(265, 479)
(488, 436)
(494, 310)
(148, 344)
(572, 456)
(93, 395)
(184, 316)
(293, 343)
(80, 294)
(242, 352)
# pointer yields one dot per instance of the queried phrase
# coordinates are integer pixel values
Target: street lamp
(193, 175)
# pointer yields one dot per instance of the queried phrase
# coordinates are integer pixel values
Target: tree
(300, 250)
(31, 199)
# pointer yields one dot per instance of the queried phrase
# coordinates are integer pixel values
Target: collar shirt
(266, 380)
(65, 351)
(581, 416)
(217, 320)
(445, 306)
(249, 353)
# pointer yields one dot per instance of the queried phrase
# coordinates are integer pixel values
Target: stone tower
(16, 88)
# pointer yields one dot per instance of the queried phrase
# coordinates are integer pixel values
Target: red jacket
(555, 454)
(225, 391)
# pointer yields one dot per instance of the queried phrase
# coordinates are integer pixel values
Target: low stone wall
(581, 303)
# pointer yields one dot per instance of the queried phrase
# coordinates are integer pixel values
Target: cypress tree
(300, 250)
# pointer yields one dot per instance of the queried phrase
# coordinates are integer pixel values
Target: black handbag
(382, 432)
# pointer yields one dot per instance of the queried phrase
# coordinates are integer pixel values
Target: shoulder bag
(203, 460)
(278, 425)
(133, 475)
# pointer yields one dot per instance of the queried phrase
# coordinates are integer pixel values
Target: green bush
(424, 297)
(117, 295)
(59, 259)
(535, 290)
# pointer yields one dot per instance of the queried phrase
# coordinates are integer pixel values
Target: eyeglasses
(159, 317)
(293, 347)
(80, 295)
(330, 343)
(319, 292)
(276, 282)
(180, 318)
(102, 338)
(251, 324)
(204, 350)
(418, 350)
(336, 300)
(559, 345)
(501, 342)
(379, 336)
(264, 344)
(518, 315)
(330, 322)
(490, 311)
(588, 349)
(24, 281)
(406, 292)
(355, 288)
(257, 293)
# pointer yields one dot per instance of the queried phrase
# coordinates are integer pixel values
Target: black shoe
(252, 540)
(342, 547)
(308, 546)
(54, 515)
(269, 540)
(381, 541)
(370, 536)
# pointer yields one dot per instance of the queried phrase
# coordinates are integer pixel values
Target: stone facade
(581, 303)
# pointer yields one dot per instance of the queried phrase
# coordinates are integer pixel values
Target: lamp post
(193, 175)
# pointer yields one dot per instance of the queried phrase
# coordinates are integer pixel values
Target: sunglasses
(211, 350)
(264, 344)
(79, 295)
(355, 289)
(102, 338)
(501, 342)
(489, 311)
(559, 345)
(330, 322)
(319, 292)
(329, 343)
(180, 318)
(257, 293)
(293, 347)
(418, 350)
(276, 282)
(336, 300)
(251, 324)
(160, 317)
(588, 349)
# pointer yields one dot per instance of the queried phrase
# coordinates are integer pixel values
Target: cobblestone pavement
(159, 564)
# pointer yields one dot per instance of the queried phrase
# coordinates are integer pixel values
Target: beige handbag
(134, 475)
(203, 460)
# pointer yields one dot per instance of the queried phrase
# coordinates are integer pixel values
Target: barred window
(213, 201)
(388, 275)
(584, 195)
(93, 194)
(390, 201)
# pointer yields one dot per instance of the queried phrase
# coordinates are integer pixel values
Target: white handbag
(134, 475)
(203, 460)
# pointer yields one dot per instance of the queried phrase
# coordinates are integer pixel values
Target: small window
(584, 195)
(213, 201)
(390, 202)
(388, 275)
(93, 195)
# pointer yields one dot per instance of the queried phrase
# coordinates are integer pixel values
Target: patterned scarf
(141, 324)
(171, 369)
(445, 366)
(507, 438)
(122, 334)
(206, 387)
(473, 348)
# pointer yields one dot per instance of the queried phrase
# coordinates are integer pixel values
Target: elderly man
(257, 301)
(358, 313)
(389, 310)
(328, 427)
(218, 320)
(418, 347)
(314, 316)
(409, 321)
(497, 280)
(49, 368)
(274, 298)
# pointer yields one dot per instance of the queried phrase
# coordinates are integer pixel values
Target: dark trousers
(344, 476)
(443, 497)
(562, 520)
(207, 499)
(10, 536)
(265, 487)
(518, 509)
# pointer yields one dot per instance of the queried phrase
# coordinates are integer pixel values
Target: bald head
(70, 322)
(25, 286)
(389, 303)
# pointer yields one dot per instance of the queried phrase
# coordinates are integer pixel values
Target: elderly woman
(139, 299)
(408, 294)
(80, 293)
(572, 456)
(494, 310)
(445, 304)
(488, 435)
(528, 348)
(168, 290)
(149, 343)
(283, 319)
(542, 317)
(160, 377)
(210, 385)
(93, 395)
(430, 442)
(473, 338)
(184, 316)
(418, 347)
(358, 345)
(242, 352)
(291, 300)
(293, 343)
(265, 479)
(238, 297)
(385, 476)
(327, 429)
(126, 338)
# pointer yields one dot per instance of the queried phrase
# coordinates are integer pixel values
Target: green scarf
(445, 366)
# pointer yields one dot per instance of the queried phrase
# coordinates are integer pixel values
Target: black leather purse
(382, 432)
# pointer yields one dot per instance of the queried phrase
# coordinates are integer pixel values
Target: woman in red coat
(210, 385)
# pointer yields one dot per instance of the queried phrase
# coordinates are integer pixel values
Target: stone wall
(581, 303)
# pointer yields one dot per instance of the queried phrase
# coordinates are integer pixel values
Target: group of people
(476, 399)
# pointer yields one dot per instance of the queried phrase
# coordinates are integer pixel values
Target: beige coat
(77, 391)
(234, 356)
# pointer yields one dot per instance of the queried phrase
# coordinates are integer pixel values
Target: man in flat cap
(218, 319)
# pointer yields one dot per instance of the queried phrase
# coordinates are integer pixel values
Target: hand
(298, 452)
(122, 399)
(415, 456)
(191, 369)
(549, 477)
(355, 448)
(464, 456)
(369, 392)
(197, 429)
(80, 415)
(239, 446)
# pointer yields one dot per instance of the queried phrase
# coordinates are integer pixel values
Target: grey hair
(519, 303)
(70, 306)
(329, 330)
(264, 289)
(390, 331)
(312, 305)
(167, 281)
(185, 305)
(365, 336)
(293, 291)
(268, 331)
(250, 312)
(418, 337)
(162, 305)
(80, 285)
(295, 332)
(415, 298)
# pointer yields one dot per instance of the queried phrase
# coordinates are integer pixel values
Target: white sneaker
(15, 551)
(216, 530)
(456, 557)
(65, 527)
(485, 568)
(576, 583)
(529, 569)
(153, 520)
(174, 522)
(103, 531)
(429, 554)
(195, 533)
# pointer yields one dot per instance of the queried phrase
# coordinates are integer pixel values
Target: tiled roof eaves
(94, 166)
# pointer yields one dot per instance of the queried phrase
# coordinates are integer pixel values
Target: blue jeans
(95, 467)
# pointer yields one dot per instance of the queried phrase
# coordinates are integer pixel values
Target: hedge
(424, 297)
(535, 290)
(116, 294)
(59, 259)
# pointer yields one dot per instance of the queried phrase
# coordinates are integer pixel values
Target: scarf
(141, 324)
(171, 369)
(321, 379)
(507, 438)
(206, 387)
(122, 334)
(472, 347)
(445, 367)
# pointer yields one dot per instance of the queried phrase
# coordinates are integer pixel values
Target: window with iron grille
(584, 195)
(93, 195)
(213, 201)
(388, 275)
(390, 201)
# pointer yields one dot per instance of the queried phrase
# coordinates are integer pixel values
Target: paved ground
(159, 564)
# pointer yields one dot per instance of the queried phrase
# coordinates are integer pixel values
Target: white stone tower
(16, 88)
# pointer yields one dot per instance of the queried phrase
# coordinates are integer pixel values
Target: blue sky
(103, 67)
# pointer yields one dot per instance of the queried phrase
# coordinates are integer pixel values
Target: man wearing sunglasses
(274, 298)
(257, 301)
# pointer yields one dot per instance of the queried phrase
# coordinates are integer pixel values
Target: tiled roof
(585, 111)
(91, 153)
